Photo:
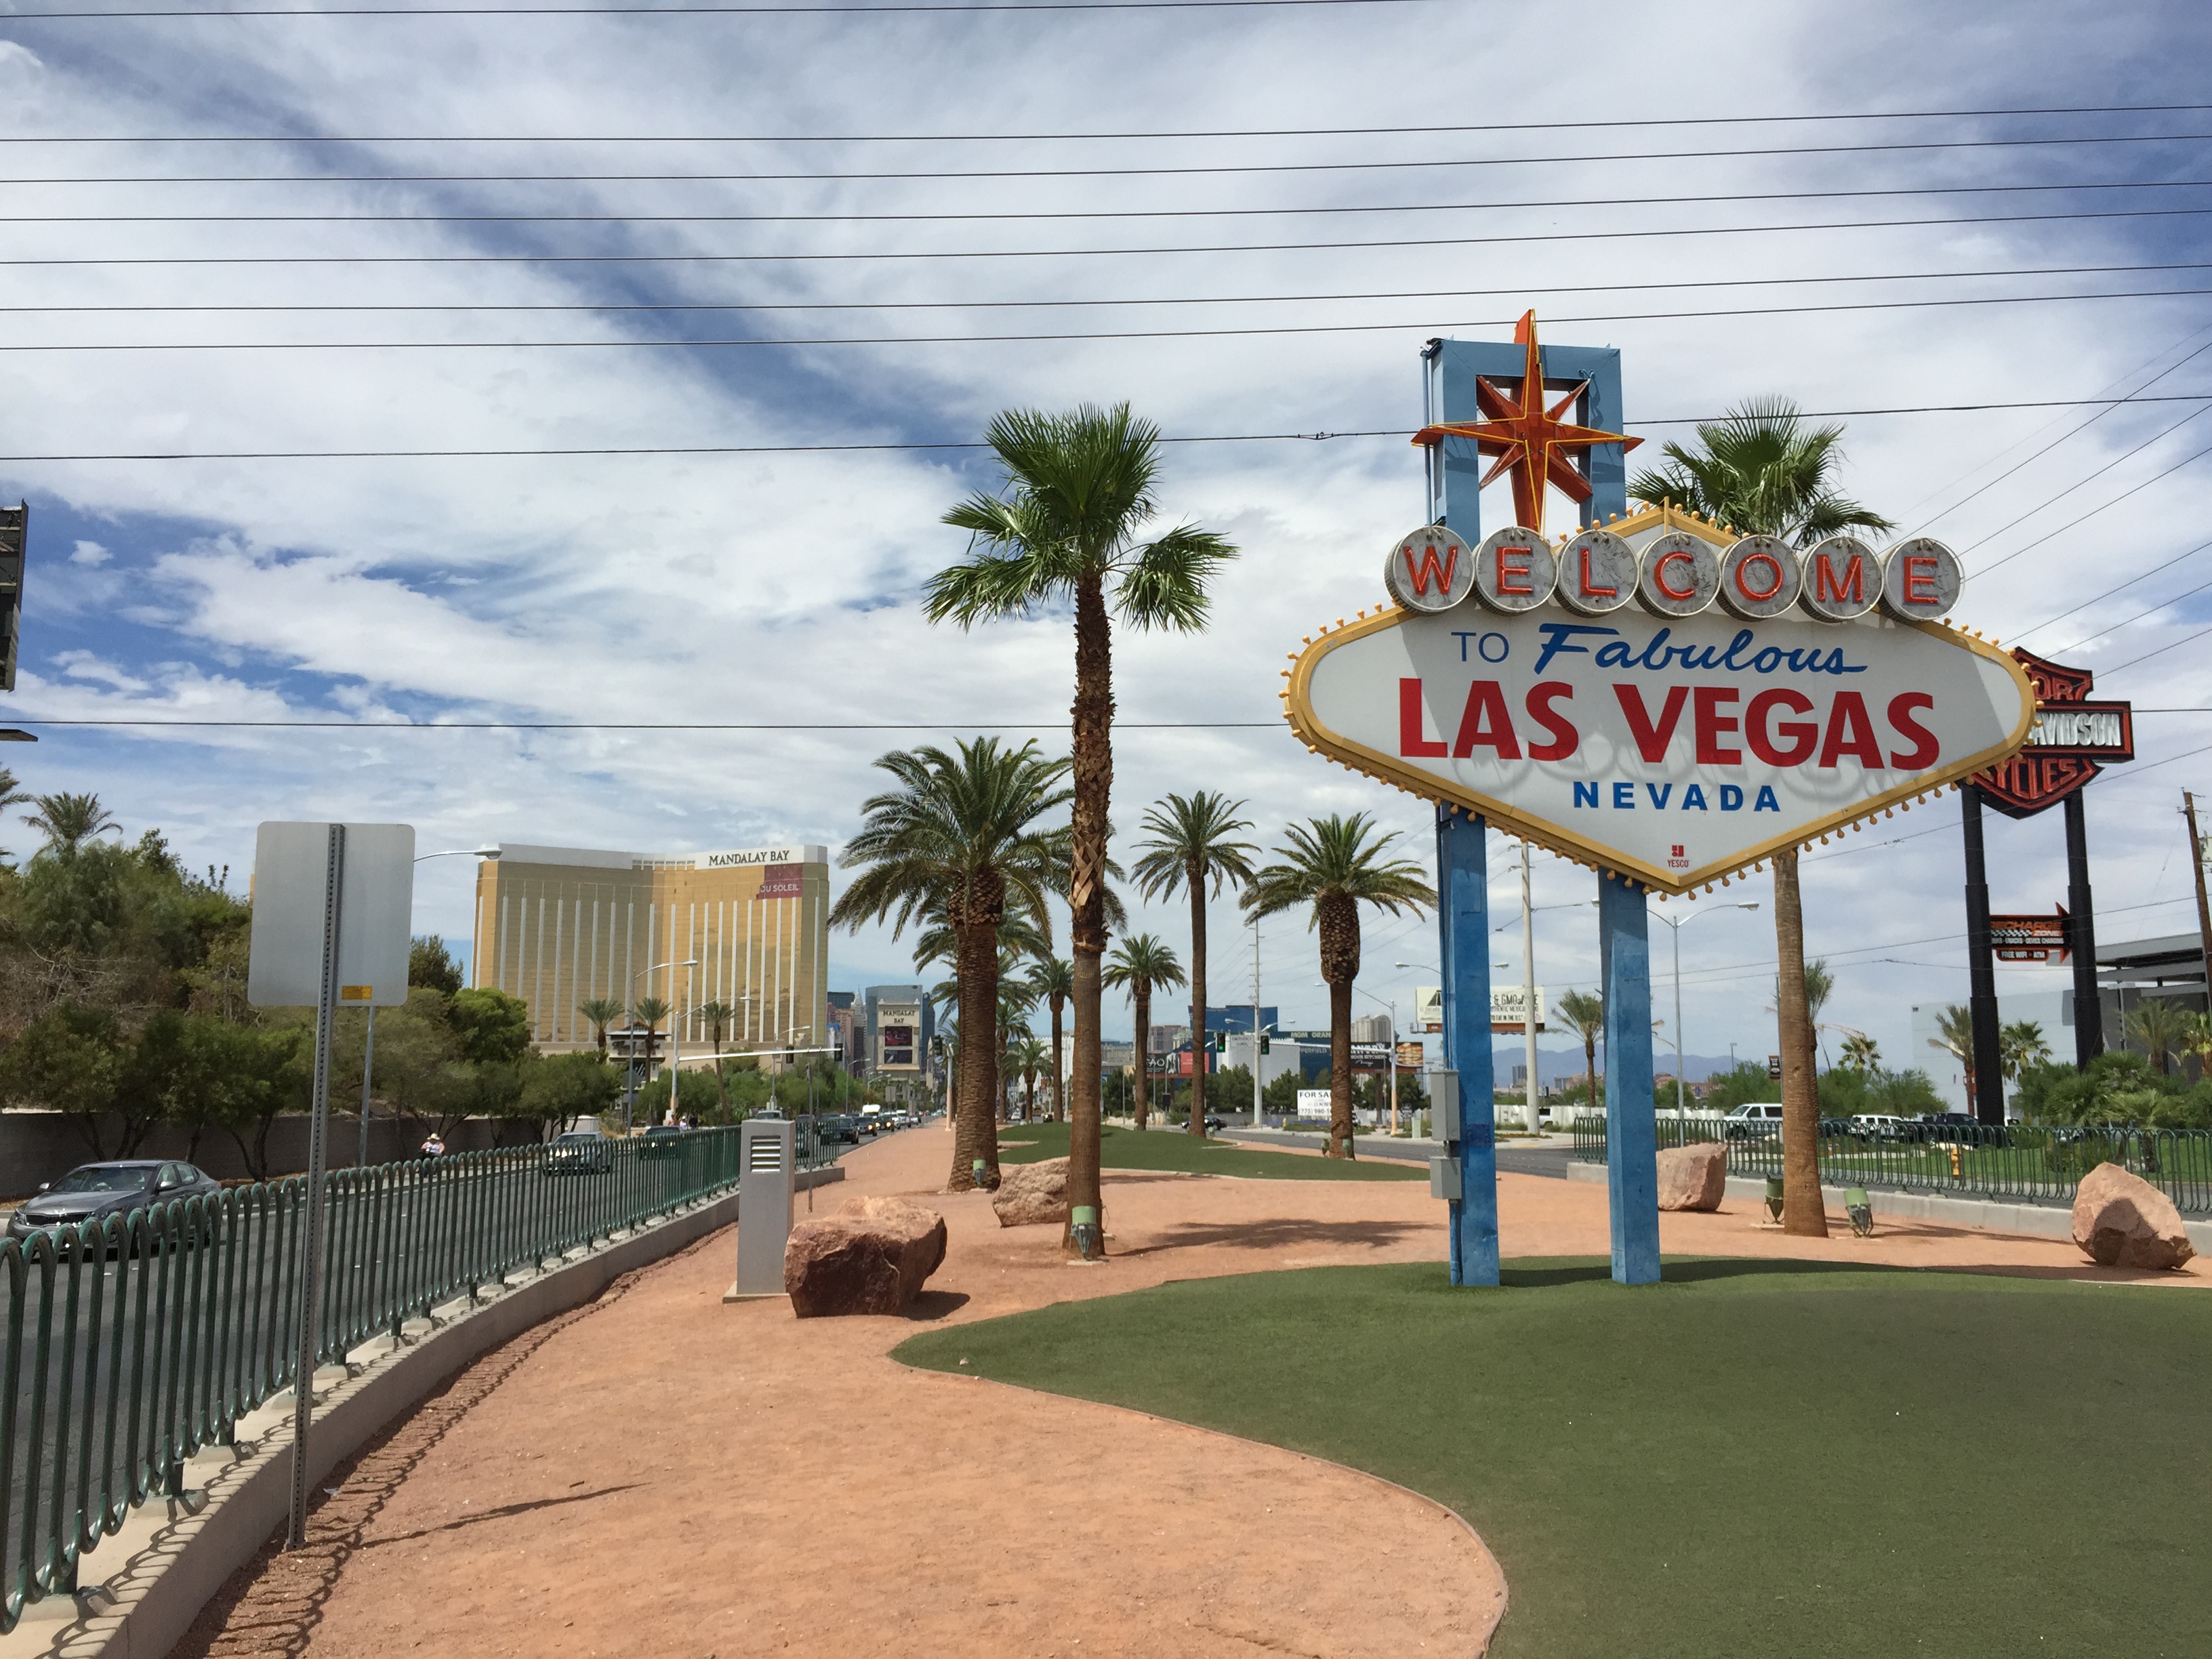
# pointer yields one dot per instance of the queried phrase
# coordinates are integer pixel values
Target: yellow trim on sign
(356, 992)
(1298, 711)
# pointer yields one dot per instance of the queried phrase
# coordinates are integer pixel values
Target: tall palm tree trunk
(1802, 1213)
(1197, 877)
(1140, 1097)
(1058, 1069)
(1093, 746)
(974, 1133)
(1340, 1068)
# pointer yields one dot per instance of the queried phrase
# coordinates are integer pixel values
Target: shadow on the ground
(499, 1514)
(935, 1304)
(1694, 1270)
(1285, 1231)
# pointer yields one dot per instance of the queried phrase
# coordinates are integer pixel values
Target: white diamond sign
(1675, 748)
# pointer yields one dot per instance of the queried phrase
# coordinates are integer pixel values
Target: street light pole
(1527, 988)
(1675, 926)
(1256, 1023)
(674, 1014)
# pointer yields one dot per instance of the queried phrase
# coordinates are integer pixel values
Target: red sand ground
(668, 1475)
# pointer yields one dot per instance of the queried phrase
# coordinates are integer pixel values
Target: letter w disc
(1429, 570)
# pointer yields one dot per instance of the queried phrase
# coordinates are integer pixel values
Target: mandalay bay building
(560, 926)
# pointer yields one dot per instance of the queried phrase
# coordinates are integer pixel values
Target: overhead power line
(708, 8)
(681, 306)
(1254, 331)
(1396, 129)
(1593, 233)
(522, 452)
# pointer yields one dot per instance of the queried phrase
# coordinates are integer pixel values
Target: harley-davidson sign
(2072, 740)
(1659, 696)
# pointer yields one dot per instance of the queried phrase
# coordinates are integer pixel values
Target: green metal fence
(2016, 1161)
(131, 1343)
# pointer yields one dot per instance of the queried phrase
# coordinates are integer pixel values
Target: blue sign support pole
(1456, 470)
(1463, 920)
(1631, 1163)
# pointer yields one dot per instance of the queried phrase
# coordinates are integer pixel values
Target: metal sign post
(331, 907)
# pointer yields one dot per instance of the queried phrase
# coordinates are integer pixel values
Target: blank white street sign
(291, 864)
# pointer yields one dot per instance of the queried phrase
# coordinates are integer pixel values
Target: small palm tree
(1861, 1053)
(10, 795)
(1583, 1013)
(1955, 1036)
(1054, 981)
(69, 821)
(958, 838)
(719, 1017)
(1069, 522)
(2161, 1026)
(1192, 841)
(1337, 864)
(2196, 1041)
(2022, 1044)
(1028, 1057)
(1761, 468)
(601, 1011)
(1140, 965)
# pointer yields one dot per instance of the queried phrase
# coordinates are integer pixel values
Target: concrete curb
(150, 1599)
(1998, 1215)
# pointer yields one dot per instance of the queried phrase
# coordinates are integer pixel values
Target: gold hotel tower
(559, 926)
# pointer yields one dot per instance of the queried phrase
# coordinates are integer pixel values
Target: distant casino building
(560, 926)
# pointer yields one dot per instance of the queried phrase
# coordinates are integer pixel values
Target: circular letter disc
(1759, 578)
(1597, 574)
(1681, 574)
(1841, 580)
(1515, 571)
(1429, 570)
(1919, 580)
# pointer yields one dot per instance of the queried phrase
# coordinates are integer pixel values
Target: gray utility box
(767, 1176)
(1444, 1180)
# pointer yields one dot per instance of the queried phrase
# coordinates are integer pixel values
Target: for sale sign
(1662, 699)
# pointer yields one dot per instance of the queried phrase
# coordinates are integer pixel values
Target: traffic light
(1264, 1041)
(1221, 1042)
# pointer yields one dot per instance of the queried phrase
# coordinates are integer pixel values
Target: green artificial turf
(1753, 1458)
(1176, 1149)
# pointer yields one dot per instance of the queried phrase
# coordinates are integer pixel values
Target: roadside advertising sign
(1313, 1105)
(2073, 740)
(1509, 1008)
(1428, 1008)
(1659, 696)
(2030, 939)
(1411, 1057)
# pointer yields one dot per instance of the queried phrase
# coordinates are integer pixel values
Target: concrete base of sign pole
(1632, 1168)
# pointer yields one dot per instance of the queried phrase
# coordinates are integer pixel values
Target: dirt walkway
(671, 1476)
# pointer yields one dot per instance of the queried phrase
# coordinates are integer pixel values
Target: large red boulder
(2123, 1221)
(871, 1257)
(1694, 1177)
(1029, 1193)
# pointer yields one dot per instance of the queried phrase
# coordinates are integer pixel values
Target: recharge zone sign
(1658, 696)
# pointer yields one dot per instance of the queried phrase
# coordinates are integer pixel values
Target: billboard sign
(2073, 739)
(1428, 1008)
(781, 881)
(1666, 700)
(1509, 1008)
(1313, 1105)
(1411, 1057)
(2030, 939)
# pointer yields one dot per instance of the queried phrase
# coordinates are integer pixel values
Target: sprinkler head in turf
(1860, 1211)
(1774, 1197)
(984, 1178)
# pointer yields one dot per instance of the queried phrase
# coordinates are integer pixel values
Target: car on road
(1755, 1119)
(1940, 1126)
(843, 1126)
(661, 1140)
(580, 1152)
(93, 1192)
(1214, 1123)
(1877, 1125)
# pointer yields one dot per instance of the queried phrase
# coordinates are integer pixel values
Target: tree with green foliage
(494, 1027)
(1191, 841)
(429, 963)
(2022, 1044)
(1583, 1013)
(556, 1089)
(1141, 964)
(958, 839)
(2160, 1025)
(70, 1060)
(601, 1012)
(1070, 519)
(10, 795)
(68, 822)
(1335, 864)
(1052, 981)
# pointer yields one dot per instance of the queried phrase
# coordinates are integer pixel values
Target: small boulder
(1694, 1177)
(1029, 1193)
(2121, 1220)
(871, 1257)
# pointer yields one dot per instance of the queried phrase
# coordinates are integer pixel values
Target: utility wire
(631, 343)
(1396, 129)
(1580, 235)
(2132, 489)
(683, 306)
(842, 449)
(2107, 594)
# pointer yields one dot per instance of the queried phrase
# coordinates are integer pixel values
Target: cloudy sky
(270, 235)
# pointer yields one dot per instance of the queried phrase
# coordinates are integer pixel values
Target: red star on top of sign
(1529, 441)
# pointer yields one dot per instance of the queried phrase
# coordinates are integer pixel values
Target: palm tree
(2161, 1026)
(720, 1017)
(1140, 965)
(1955, 1036)
(1760, 469)
(958, 838)
(1335, 864)
(1029, 1059)
(1583, 1013)
(652, 1011)
(2022, 1044)
(1861, 1052)
(10, 795)
(2196, 1041)
(69, 821)
(1191, 842)
(1054, 981)
(1078, 488)
(601, 1011)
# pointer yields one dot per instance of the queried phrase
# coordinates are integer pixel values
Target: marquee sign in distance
(2073, 738)
(1659, 696)
(2031, 938)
